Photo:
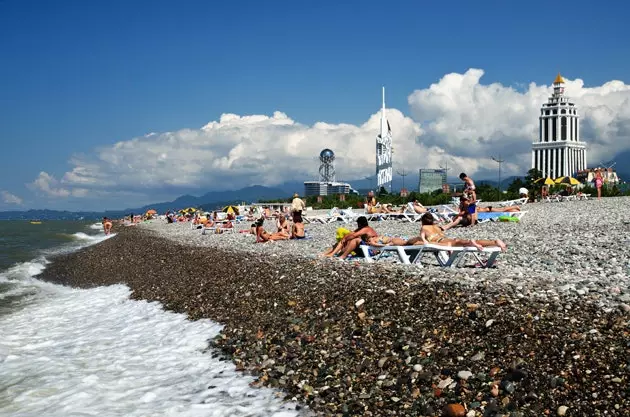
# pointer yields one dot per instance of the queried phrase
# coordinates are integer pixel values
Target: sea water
(95, 352)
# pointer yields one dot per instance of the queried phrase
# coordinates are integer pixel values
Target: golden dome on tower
(559, 79)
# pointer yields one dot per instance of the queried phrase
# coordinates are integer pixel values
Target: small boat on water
(36, 222)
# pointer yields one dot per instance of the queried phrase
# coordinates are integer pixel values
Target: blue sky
(79, 76)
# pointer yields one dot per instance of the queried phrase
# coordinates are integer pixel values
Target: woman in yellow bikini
(430, 233)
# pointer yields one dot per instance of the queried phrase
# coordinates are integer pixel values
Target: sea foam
(97, 352)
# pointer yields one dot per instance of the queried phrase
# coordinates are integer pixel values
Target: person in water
(430, 233)
(107, 225)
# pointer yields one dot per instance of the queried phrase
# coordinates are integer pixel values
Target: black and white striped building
(558, 151)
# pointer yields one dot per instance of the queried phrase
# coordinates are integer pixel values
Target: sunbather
(419, 208)
(509, 209)
(263, 236)
(384, 240)
(430, 233)
(283, 225)
(351, 241)
(297, 231)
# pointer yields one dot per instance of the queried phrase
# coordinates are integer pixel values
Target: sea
(95, 352)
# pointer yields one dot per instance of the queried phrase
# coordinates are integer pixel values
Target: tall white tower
(384, 169)
(559, 151)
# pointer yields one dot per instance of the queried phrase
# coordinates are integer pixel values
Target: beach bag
(341, 233)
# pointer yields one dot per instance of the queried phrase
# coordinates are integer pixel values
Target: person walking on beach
(599, 181)
(469, 190)
(297, 205)
(107, 225)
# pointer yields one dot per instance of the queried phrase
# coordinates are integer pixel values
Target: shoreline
(411, 347)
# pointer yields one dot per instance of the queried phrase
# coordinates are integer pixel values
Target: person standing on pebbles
(297, 205)
(469, 190)
(599, 181)
(107, 225)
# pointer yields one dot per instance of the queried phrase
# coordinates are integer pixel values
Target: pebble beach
(546, 332)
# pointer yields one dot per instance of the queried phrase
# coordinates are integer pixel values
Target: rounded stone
(454, 410)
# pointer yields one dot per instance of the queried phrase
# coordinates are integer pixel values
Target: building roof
(559, 79)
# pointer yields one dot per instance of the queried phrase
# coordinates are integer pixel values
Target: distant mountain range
(214, 199)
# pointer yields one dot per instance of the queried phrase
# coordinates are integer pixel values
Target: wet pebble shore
(350, 338)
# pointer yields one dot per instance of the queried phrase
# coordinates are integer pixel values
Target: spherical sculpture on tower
(326, 167)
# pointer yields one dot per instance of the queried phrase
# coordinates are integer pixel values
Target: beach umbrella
(545, 181)
(230, 209)
(151, 211)
(567, 180)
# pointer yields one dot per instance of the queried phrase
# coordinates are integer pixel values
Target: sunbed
(509, 203)
(447, 256)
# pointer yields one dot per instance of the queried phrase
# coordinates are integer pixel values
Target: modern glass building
(315, 188)
(431, 180)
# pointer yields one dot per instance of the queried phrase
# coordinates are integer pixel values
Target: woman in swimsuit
(383, 240)
(297, 231)
(107, 225)
(263, 236)
(282, 224)
(430, 233)
(599, 181)
(510, 209)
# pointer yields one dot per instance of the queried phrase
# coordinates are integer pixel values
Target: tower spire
(383, 98)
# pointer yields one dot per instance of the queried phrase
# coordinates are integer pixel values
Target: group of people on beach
(430, 233)
(284, 230)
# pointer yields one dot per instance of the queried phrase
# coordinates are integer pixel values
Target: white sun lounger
(213, 230)
(447, 256)
(509, 203)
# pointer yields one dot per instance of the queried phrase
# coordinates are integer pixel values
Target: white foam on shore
(96, 352)
(96, 226)
(91, 238)
(93, 352)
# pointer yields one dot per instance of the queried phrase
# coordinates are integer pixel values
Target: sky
(116, 104)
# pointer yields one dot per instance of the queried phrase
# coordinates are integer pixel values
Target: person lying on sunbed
(263, 236)
(384, 241)
(351, 241)
(430, 233)
(488, 209)
(419, 208)
(297, 231)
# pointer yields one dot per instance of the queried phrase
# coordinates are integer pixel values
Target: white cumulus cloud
(457, 120)
(9, 198)
(51, 187)
(470, 119)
